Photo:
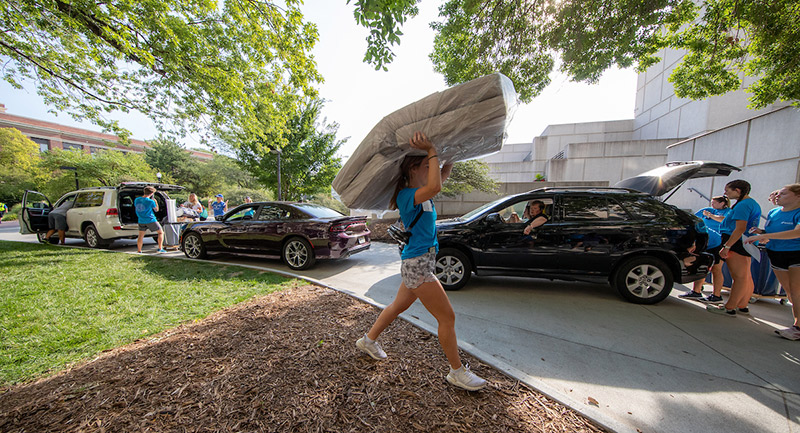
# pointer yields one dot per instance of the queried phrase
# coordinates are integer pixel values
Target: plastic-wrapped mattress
(463, 122)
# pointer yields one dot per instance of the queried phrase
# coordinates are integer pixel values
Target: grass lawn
(61, 305)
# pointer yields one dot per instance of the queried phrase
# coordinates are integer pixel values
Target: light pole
(278, 152)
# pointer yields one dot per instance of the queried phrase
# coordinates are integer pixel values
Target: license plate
(361, 240)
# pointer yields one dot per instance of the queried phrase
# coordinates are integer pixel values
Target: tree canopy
(725, 40)
(19, 164)
(190, 65)
(308, 149)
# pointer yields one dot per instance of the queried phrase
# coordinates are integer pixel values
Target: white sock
(368, 340)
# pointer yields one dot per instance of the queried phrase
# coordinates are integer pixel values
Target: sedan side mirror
(494, 218)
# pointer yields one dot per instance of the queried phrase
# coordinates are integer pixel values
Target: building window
(68, 146)
(94, 150)
(44, 144)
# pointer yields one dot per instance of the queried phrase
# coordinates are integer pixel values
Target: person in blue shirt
(145, 207)
(782, 237)
(219, 206)
(712, 217)
(419, 181)
(744, 215)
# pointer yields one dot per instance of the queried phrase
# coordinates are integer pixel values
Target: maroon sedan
(298, 233)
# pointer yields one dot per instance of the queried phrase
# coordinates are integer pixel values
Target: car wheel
(643, 280)
(453, 268)
(193, 246)
(298, 254)
(93, 239)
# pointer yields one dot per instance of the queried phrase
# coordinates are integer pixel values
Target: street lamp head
(158, 175)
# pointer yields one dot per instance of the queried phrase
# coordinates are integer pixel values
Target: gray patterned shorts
(418, 270)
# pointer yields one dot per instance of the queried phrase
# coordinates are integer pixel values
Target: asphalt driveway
(671, 367)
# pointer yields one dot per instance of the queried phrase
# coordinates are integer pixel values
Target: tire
(453, 268)
(93, 238)
(643, 280)
(298, 254)
(193, 246)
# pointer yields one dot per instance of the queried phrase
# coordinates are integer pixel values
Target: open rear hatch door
(662, 180)
(35, 208)
(127, 193)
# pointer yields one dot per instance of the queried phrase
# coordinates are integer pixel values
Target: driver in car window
(534, 215)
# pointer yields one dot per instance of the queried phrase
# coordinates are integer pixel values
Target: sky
(357, 96)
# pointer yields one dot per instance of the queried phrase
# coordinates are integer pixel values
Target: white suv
(99, 215)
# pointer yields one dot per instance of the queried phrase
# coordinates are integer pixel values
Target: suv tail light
(112, 211)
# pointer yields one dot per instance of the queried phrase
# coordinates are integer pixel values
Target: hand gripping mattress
(463, 122)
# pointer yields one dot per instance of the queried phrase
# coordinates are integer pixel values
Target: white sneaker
(465, 379)
(792, 333)
(372, 349)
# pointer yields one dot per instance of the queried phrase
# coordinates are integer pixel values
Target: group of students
(731, 228)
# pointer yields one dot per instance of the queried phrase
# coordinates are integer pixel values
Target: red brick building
(49, 135)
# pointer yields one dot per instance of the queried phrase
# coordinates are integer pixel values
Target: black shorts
(715, 251)
(737, 248)
(783, 260)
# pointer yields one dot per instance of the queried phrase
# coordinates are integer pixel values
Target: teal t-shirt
(744, 210)
(780, 221)
(714, 236)
(423, 234)
(144, 210)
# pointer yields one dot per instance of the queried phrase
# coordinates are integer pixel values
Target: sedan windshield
(472, 214)
(317, 211)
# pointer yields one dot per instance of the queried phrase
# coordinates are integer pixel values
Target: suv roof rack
(97, 187)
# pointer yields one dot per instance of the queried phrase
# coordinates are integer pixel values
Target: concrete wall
(660, 114)
(767, 148)
(609, 161)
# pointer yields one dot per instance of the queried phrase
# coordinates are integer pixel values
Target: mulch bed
(283, 362)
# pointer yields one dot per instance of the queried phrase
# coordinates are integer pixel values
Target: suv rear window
(644, 208)
(89, 199)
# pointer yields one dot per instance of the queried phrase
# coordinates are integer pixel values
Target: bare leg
(717, 278)
(48, 234)
(742, 287)
(140, 241)
(697, 286)
(790, 281)
(160, 239)
(62, 236)
(404, 298)
(435, 300)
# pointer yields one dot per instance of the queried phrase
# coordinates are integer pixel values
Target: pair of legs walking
(140, 240)
(435, 300)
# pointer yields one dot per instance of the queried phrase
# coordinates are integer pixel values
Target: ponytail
(742, 185)
(409, 162)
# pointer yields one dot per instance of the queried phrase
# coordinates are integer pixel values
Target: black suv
(630, 239)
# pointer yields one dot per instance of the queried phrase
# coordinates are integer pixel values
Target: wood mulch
(285, 362)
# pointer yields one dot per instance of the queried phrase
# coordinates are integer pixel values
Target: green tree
(19, 165)
(105, 168)
(384, 18)
(308, 159)
(468, 176)
(187, 64)
(725, 40)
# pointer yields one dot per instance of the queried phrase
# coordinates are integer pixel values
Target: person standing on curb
(782, 237)
(145, 207)
(744, 215)
(420, 180)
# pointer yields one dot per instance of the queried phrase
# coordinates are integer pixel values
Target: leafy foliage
(384, 18)
(468, 176)
(725, 40)
(19, 165)
(190, 65)
(105, 168)
(308, 157)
